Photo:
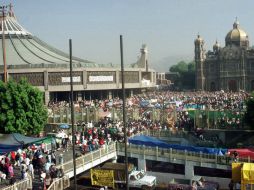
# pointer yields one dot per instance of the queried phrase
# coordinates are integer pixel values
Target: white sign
(74, 79)
(145, 82)
(100, 78)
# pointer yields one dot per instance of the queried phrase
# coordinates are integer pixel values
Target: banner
(102, 177)
(74, 79)
(101, 78)
(236, 171)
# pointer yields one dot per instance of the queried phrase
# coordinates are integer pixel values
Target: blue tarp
(12, 142)
(153, 142)
(64, 126)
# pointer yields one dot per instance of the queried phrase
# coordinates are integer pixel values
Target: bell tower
(199, 60)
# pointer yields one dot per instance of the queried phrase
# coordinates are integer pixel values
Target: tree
(249, 115)
(21, 108)
(186, 74)
(180, 67)
(191, 67)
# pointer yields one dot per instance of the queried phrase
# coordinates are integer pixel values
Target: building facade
(23, 55)
(229, 68)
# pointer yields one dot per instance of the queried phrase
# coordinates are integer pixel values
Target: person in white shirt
(2, 176)
(47, 166)
(31, 169)
(27, 161)
(25, 174)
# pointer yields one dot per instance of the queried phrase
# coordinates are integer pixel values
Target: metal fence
(184, 155)
(165, 133)
(20, 185)
(202, 118)
(87, 114)
(60, 183)
(87, 158)
(213, 118)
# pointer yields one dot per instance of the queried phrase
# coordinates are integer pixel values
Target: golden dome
(236, 34)
(216, 45)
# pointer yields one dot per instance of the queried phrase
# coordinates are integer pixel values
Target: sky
(167, 27)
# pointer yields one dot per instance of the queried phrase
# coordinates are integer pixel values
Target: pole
(3, 45)
(72, 118)
(124, 116)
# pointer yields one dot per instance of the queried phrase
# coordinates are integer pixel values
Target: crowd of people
(33, 160)
(30, 161)
(226, 108)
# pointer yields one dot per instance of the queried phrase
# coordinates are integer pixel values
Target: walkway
(83, 163)
(92, 159)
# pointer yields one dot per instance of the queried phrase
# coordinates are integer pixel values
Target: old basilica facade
(229, 68)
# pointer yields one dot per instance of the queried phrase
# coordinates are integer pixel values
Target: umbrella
(220, 153)
(64, 126)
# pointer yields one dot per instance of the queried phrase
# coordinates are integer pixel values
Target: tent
(12, 142)
(153, 142)
(244, 152)
(64, 126)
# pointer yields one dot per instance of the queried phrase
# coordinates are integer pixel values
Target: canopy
(12, 142)
(243, 152)
(64, 126)
(153, 142)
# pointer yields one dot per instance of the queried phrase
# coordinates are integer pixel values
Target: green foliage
(179, 67)
(21, 108)
(186, 72)
(191, 67)
(249, 115)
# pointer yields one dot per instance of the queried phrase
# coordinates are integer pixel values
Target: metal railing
(87, 158)
(165, 133)
(208, 118)
(184, 155)
(20, 185)
(60, 183)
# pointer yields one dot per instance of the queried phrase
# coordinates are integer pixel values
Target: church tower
(199, 60)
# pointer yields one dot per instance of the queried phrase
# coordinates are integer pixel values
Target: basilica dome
(216, 45)
(237, 36)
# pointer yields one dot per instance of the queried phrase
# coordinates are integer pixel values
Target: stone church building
(229, 68)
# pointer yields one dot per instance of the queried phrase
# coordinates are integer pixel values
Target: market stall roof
(14, 141)
(153, 142)
(243, 152)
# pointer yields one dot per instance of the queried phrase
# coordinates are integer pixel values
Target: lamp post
(72, 118)
(3, 42)
(163, 110)
(124, 116)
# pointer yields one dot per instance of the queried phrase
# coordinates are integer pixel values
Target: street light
(3, 8)
(72, 118)
(124, 115)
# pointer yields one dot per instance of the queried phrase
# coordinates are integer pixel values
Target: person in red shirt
(33, 148)
(101, 141)
(13, 155)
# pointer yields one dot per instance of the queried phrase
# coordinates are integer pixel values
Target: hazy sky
(168, 27)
